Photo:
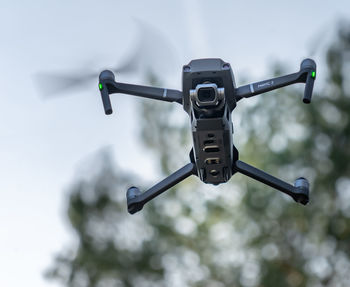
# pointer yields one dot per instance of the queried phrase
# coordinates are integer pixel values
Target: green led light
(100, 87)
(313, 74)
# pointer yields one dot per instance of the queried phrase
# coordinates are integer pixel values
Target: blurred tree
(238, 234)
(299, 246)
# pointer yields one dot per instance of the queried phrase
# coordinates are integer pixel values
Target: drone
(209, 95)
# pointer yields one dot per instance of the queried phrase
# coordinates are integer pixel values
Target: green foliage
(238, 234)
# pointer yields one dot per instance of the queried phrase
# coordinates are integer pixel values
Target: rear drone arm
(136, 199)
(307, 74)
(299, 192)
(108, 85)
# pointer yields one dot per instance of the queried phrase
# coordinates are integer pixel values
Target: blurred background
(66, 166)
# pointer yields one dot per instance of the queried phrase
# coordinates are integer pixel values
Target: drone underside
(209, 96)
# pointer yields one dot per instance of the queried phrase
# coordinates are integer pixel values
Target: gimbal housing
(209, 95)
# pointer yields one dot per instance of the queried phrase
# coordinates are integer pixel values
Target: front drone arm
(108, 85)
(307, 74)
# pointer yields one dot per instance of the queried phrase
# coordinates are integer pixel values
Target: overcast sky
(43, 142)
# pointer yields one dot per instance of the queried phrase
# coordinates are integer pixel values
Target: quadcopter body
(209, 95)
(208, 85)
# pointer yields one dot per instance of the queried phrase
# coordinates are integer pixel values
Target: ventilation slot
(206, 142)
(212, 160)
(211, 148)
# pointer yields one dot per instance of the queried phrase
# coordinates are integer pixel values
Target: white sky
(42, 142)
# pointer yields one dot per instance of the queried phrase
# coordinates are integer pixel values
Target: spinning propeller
(152, 53)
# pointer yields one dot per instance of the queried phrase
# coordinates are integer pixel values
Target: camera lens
(206, 94)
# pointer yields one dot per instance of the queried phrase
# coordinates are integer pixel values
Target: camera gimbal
(209, 95)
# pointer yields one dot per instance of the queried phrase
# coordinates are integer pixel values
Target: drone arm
(167, 95)
(108, 85)
(299, 192)
(254, 89)
(136, 200)
(307, 74)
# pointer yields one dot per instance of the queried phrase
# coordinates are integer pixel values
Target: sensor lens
(206, 94)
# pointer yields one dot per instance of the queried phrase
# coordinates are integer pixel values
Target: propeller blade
(132, 64)
(152, 53)
(51, 84)
(158, 54)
